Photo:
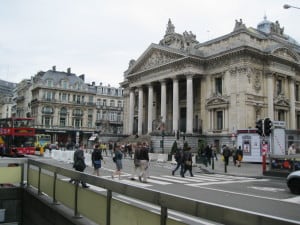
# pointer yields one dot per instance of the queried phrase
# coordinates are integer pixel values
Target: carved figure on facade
(239, 25)
(156, 59)
(275, 28)
(257, 82)
(170, 28)
(131, 63)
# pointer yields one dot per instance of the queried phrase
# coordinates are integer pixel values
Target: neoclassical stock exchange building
(214, 88)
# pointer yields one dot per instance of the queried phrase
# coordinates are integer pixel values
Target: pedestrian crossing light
(267, 126)
(259, 127)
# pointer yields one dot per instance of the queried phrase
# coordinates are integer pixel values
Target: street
(265, 195)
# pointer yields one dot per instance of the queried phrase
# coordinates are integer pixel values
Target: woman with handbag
(96, 160)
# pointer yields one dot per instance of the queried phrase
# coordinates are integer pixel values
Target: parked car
(293, 182)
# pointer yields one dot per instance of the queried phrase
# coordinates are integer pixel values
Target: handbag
(97, 162)
(115, 159)
(188, 163)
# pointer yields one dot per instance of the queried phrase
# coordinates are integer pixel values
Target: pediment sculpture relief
(157, 58)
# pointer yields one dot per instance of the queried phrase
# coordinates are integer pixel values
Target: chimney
(69, 70)
(93, 83)
(54, 68)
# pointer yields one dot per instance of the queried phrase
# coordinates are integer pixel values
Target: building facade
(214, 88)
(6, 98)
(69, 109)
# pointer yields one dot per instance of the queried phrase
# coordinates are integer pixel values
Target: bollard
(213, 163)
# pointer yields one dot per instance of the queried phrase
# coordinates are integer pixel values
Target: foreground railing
(103, 207)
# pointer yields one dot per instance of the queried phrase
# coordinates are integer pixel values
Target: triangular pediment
(155, 56)
(217, 101)
(281, 100)
(285, 53)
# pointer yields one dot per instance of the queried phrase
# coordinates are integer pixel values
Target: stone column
(150, 107)
(175, 104)
(140, 111)
(189, 104)
(131, 112)
(163, 101)
(270, 96)
(293, 106)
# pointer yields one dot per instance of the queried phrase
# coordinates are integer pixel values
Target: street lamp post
(286, 6)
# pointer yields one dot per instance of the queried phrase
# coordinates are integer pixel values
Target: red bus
(17, 136)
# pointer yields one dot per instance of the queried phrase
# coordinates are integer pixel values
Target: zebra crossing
(195, 181)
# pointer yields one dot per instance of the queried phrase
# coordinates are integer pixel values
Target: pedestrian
(110, 148)
(292, 150)
(234, 155)
(208, 154)
(239, 156)
(118, 156)
(136, 160)
(144, 163)
(79, 163)
(226, 154)
(187, 159)
(214, 152)
(96, 159)
(179, 161)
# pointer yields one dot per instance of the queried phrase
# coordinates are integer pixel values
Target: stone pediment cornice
(285, 53)
(281, 101)
(217, 101)
(155, 56)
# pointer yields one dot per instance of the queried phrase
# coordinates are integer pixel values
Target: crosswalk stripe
(172, 179)
(219, 182)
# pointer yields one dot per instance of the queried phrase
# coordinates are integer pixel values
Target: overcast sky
(98, 38)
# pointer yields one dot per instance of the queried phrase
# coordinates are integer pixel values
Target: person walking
(187, 159)
(239, 156)
(96, 159)
(144, 163)
(226, 154)
(208, 154)
(136, 160)
(79, 164)
(179, 161)
(118, 161)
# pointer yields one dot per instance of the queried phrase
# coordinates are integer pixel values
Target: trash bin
(2, 215)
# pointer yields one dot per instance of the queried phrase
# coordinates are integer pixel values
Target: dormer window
(49, 83)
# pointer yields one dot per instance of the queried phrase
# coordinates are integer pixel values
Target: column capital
(163, 81)
(189, 75)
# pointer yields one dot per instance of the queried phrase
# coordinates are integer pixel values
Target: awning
(92, 138)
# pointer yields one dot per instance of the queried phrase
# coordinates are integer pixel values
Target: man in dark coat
(79, 164)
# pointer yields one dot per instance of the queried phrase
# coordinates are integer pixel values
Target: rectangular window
(298, 122)
(279, 86)
(62, 122)
(281, 115)
(219, 120)
(297, 92)
(218, 82)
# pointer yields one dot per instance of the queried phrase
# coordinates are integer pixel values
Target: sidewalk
(247, 168)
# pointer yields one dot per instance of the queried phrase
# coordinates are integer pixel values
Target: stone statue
(170, 28)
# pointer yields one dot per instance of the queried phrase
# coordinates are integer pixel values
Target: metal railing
(98, 207)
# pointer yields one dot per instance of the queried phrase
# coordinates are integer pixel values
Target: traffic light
(267, 126)
(259, 127)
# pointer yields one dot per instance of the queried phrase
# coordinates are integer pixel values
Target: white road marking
(222, 182)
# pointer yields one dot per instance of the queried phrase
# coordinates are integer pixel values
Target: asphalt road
(266, 195)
